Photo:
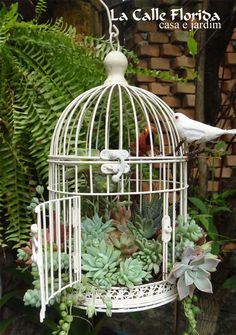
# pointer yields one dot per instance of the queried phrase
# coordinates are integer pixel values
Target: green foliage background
(42, 68)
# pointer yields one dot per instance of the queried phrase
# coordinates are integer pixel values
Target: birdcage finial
(116, 64)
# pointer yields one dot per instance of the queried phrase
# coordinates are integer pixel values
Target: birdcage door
(57, 247)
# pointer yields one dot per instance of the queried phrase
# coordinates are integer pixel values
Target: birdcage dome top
(115, 115)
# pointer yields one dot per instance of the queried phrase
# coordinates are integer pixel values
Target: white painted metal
(56, 239)
(100, 133)
(139, 298)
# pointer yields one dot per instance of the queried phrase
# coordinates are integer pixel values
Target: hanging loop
(113, 30)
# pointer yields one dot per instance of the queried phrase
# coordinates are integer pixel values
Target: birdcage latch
(166, 229)
(118, 169)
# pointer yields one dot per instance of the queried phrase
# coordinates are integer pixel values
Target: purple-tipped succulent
(193, 272)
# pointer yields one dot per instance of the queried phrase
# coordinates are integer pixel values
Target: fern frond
(41, 70)
(16, 196)
(40, 8)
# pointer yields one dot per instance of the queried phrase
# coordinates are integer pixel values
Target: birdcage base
(139, 298)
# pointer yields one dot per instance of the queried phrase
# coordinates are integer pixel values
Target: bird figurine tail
(230, 131)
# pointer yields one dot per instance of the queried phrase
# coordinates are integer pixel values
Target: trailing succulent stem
(191, 311)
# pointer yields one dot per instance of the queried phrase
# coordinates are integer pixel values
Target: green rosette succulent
(95, 229)
(193, 272)
(131, 273)
(100, 262)
(142, 227)
(149, 254)
(188, 230)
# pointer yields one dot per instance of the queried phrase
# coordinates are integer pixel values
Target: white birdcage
(115, 143)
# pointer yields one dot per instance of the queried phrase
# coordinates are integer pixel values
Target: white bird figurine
(191, 130)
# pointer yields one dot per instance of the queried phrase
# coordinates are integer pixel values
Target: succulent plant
(193, 271)
(95, 229)
(91, 311)
(108, 302)
(100, 262)
(181, 246)
(32, 298)
(105, 282)
(121, 214)
(142, 227)
(151, 210)
(188, 230)
(64, 261)
(125, 242)
(150, 214)
(131, 273)
(150, 254)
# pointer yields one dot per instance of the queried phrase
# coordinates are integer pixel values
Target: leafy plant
(192, 43)
(40, 8)
(230, 282)
(39, 69)
(206, 212)
(146, 219)
(181, 245)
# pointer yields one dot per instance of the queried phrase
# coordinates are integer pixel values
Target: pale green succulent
(32, 298)
(95, 229)
(187, 234)
(151, 210)
(104, 282)
(193, 271)
(100, 262)
(181, 246)
(142, 227)
(131, 273)
(150, 254)
(188, 229)
(91, 311)
(64, 261)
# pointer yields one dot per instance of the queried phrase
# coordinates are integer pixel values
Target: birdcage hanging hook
(113, 30)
